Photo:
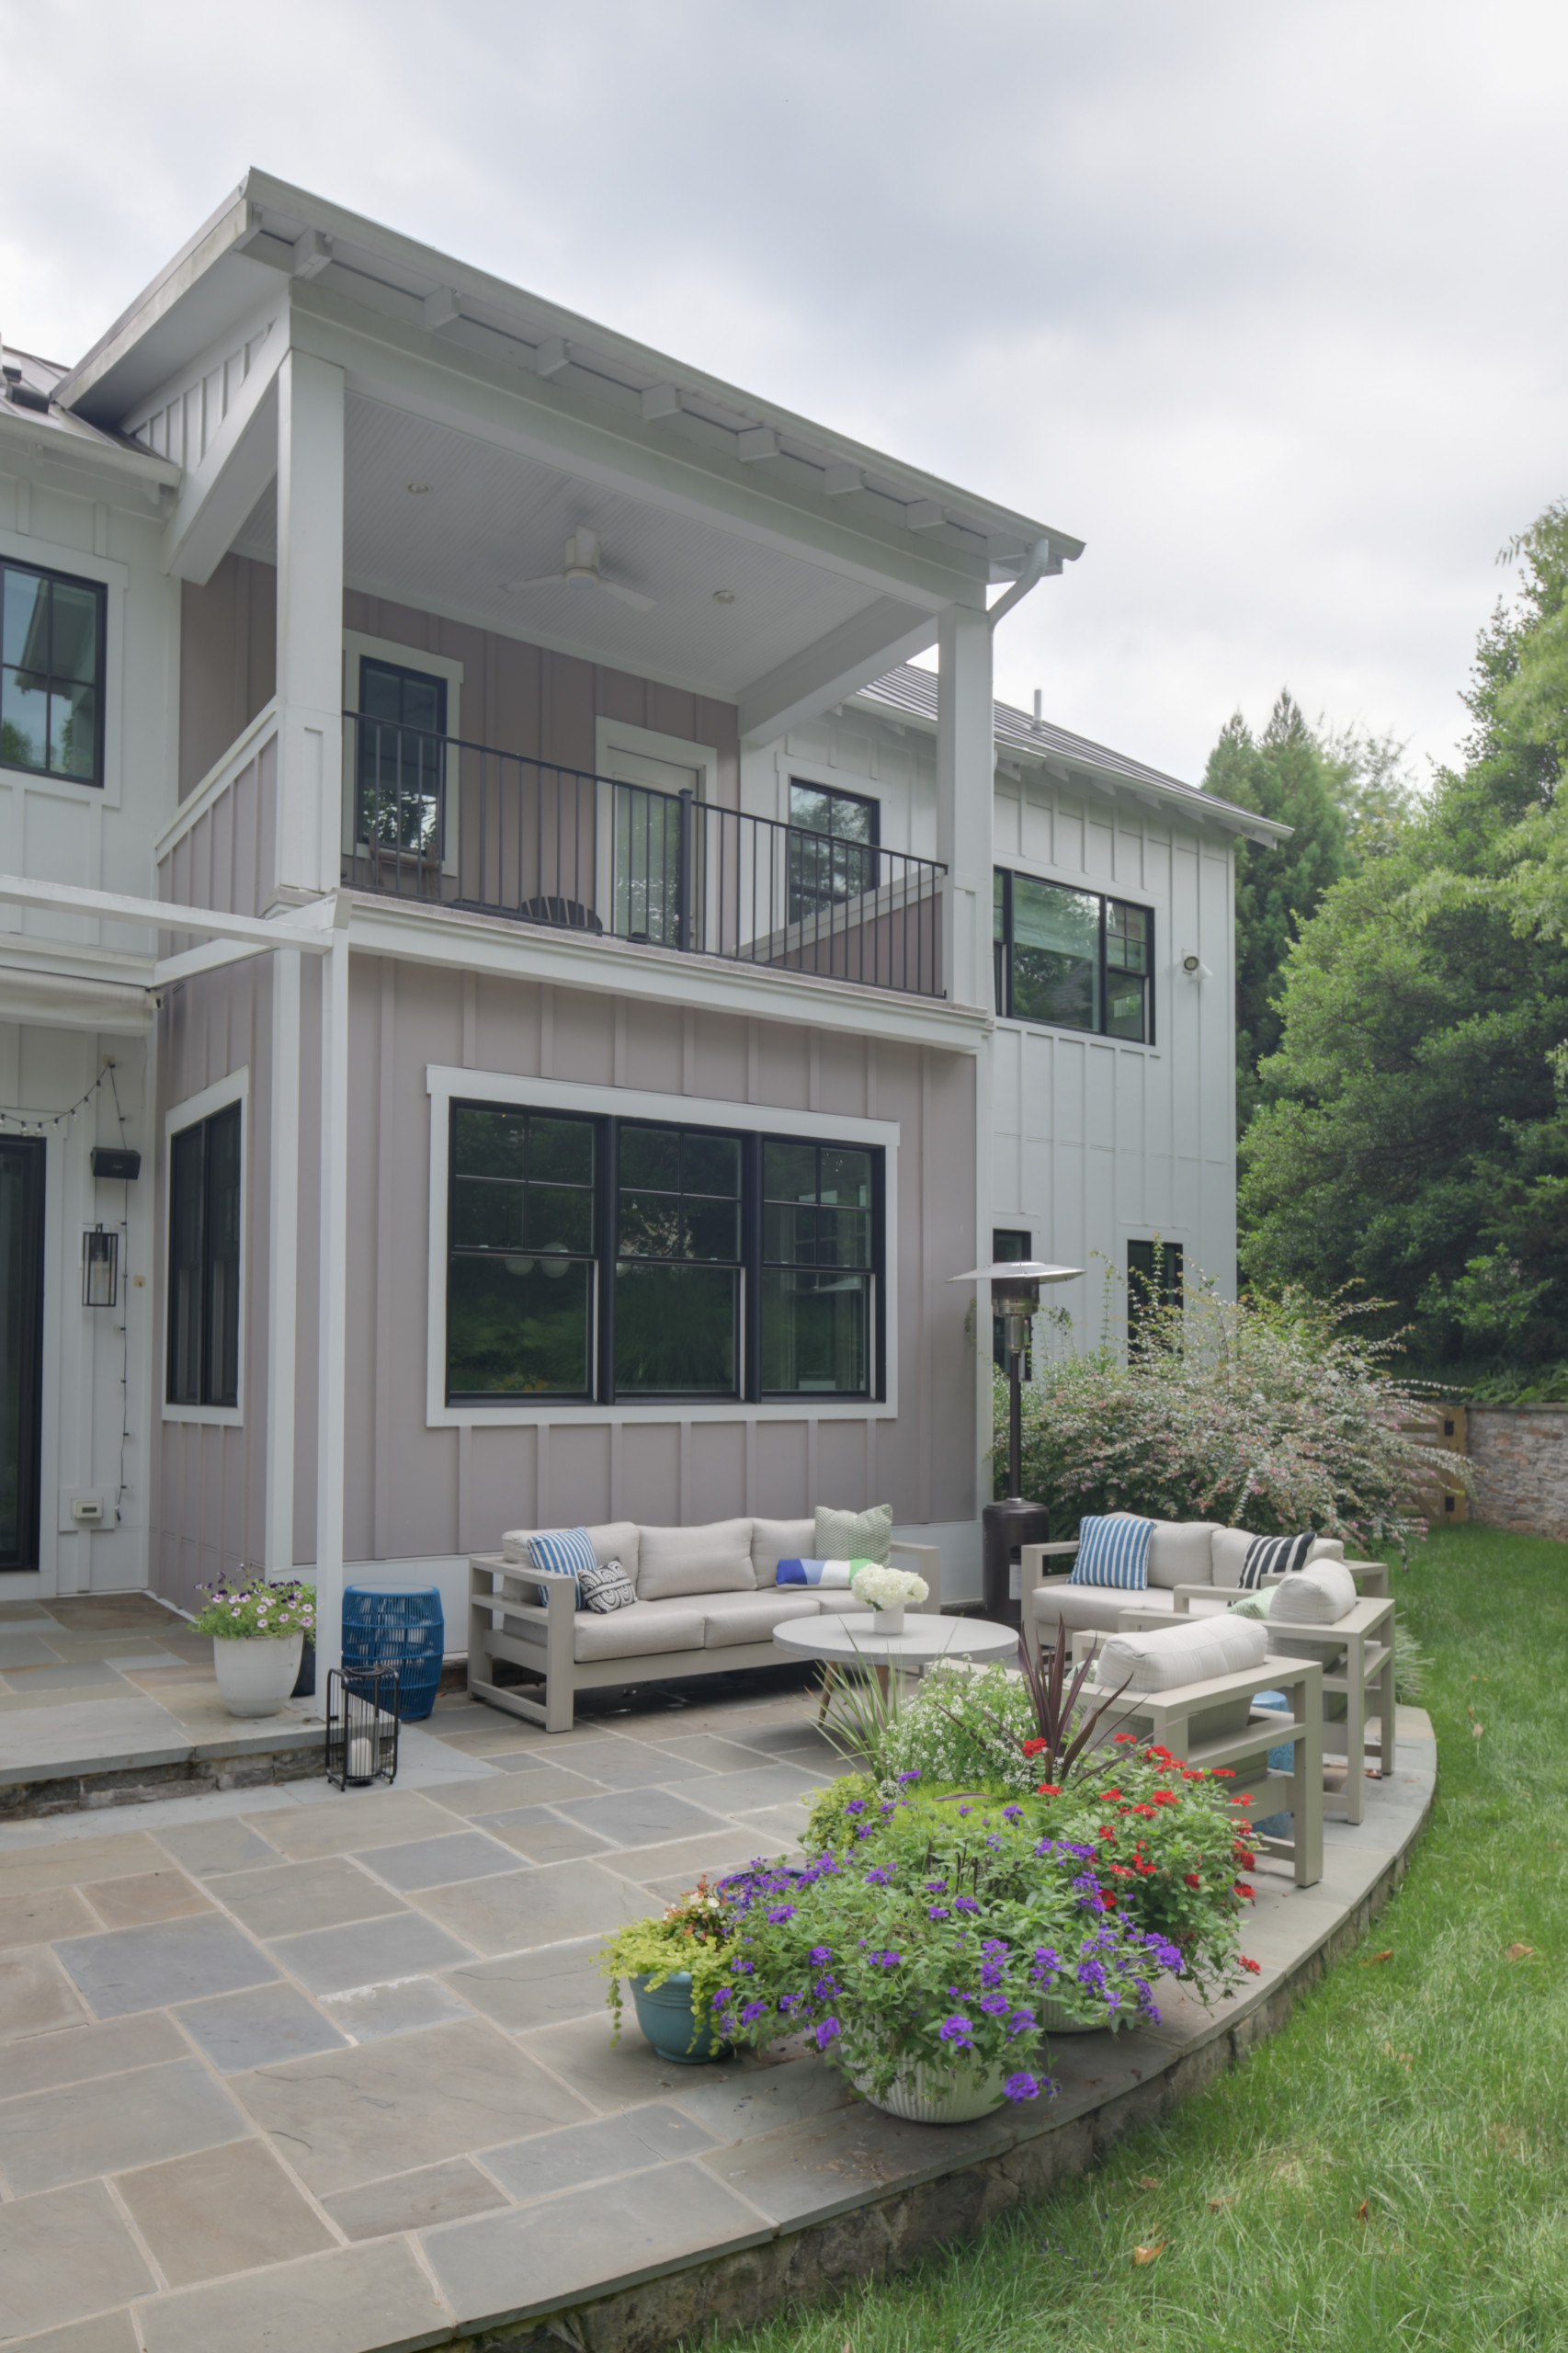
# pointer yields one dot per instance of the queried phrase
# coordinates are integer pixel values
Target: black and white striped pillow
(1274, 1556)
(607, 1587)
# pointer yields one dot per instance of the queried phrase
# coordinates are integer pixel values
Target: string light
(40, 1123)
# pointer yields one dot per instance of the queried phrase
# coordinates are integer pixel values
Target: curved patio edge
(851, 2194)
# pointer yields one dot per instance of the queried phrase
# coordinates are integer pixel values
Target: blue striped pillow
(564, 1552)
(1113, 1552)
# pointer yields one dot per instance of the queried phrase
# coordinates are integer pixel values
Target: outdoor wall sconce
(100, 1268)
(361, 1726)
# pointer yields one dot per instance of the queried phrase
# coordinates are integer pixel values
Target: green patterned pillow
(855, 1535)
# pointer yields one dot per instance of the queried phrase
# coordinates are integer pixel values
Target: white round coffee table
(853, 1639)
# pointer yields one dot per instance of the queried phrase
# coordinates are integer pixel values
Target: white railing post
(282, 1274)
(310, 623)
(332, 1316)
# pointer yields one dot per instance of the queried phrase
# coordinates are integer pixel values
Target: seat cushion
(1190, 1650)
(673, 1561)
(835, 1602)
(773, 1540)
(731, 1618)
(638, 1632)
(1091, 1607)
(1319, 1595)
(1179, 1552)
(1228, 1549)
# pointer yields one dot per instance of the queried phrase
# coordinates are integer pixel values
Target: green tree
(1412, 1133)
(1281, 774)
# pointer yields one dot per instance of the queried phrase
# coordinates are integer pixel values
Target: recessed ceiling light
(417, 489)
(724, 596)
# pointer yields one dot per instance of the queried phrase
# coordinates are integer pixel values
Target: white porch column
(310, 623)
(966, 767)
(966, 763)
(332, 1308)
(282, 1281)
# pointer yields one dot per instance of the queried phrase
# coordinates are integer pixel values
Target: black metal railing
(462, 824)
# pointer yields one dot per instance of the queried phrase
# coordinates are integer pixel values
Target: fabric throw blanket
(837, 1572)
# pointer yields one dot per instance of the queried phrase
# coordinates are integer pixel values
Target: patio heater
(1015, 1296)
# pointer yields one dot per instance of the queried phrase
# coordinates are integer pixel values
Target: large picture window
(604, 1259)
(52, 672)
(204, 1261)
(1073, 960)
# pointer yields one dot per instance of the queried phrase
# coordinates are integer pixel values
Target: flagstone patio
(283, 2067)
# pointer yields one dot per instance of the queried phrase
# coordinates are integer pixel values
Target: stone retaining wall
(1518, 1459)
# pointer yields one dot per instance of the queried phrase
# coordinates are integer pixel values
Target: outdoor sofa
(706, 1603)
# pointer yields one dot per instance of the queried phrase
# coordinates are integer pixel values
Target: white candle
(361, 1758)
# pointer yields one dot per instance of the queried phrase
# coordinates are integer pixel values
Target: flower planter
(664, 2015)
(255, 1673)
(924, 2095)
(888, 1621)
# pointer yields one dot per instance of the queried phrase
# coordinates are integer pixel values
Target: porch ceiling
(490, 517)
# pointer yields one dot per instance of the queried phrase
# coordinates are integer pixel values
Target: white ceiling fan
(582, 571)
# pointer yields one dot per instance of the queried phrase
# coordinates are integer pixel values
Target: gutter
(1043, 557)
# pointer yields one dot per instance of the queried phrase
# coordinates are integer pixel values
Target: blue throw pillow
(1113, 1552)
(564, 1552)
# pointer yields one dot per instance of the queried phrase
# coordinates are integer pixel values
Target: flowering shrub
(693, 1935)
(1266, 1414)
(953, 1732)
(876, 1586)
(933, 1938)
(255, 1611)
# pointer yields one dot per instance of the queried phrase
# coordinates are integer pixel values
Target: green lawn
(1393, 2167)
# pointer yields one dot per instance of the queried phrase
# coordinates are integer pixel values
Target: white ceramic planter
(889, 1621)
(255, 1674)
(941, 2094)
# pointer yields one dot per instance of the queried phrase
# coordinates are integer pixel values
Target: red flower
(1192, 1880)
(1127, 1735)
(1049, 1788)
(1255, 1966)
(1108, 1795)
(1033, 1747)
(1241, 1801)
(1107, 1904)
(1243, 1889)
(1223, 1772)
(1243, 1856)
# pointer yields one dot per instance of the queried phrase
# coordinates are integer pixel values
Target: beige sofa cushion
(773, 1540)
(732, 1618)
(615, 1540)
(1089, 1607)
(637, 1633)
(1319, 1595)
(1191, 1650)
(674, 1561)
(1180, 1554)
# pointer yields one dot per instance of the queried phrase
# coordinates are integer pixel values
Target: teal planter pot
(664, 2013)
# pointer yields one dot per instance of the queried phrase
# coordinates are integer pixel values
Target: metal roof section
(269, 228)
(34, 427)
(911, 692)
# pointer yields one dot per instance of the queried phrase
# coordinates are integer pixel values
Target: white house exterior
(543, 932)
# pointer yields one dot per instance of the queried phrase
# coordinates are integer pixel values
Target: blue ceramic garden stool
(400, 1627)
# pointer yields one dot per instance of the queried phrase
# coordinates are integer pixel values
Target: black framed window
(1008, 1243)
(1073, 960)
(832, 846)
(607, 1259)
(1153, 1279)
(204, 1261)
(819, 1227)
(402, 748)
(52, 672)
(522, 1269)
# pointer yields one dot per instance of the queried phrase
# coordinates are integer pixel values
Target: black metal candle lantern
(361, 1726)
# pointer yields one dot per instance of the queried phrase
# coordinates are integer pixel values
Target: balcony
(462, 826)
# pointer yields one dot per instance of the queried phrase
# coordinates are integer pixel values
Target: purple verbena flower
(827, 2031)
(1023, 2085)
(959, 2031)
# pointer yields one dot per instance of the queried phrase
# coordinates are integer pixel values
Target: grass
(1389, 2172)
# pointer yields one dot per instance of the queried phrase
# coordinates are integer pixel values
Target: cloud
(1262, 304)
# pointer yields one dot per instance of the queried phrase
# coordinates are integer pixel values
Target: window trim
(1004, 947)
(102, 590)
(235, 1089)
(751, 1121)
(359, 648)
(872, 848)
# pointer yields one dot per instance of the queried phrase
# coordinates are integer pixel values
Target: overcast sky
(1265, 303)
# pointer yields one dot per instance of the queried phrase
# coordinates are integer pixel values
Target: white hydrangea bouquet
(887, 1591)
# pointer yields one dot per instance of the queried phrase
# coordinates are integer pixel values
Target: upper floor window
(52, 672)
(1073, 959)
(605, 1258)
(401, 752)
(832, 846)
(204, 1261)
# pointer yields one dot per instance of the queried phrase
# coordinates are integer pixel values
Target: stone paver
(282, 2068)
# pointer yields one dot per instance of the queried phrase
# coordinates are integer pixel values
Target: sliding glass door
(21, 1321)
